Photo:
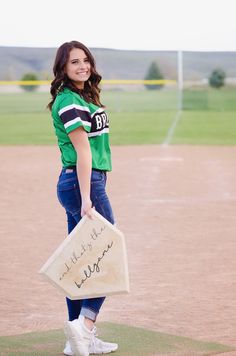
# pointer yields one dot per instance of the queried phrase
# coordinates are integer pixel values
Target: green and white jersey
(70, 111)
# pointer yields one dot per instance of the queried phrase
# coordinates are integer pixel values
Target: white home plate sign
(91, 261)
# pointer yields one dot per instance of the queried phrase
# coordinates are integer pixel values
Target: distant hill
(117, 64)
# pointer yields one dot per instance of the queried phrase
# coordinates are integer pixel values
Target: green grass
(21, 103)
(27, 129)
(132, 341)
(36, 128)
(210, 99)
(139, 128)
(140, 101)
(135, 117)
(206, 128)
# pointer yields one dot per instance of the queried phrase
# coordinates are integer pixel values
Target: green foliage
(154, 73)
(31, 77)
(217, 78)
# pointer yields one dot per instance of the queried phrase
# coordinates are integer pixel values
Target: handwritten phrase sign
(91, 261)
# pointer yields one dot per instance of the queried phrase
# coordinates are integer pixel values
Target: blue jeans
(68, 193)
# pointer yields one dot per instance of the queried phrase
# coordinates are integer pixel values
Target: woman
(82, 129)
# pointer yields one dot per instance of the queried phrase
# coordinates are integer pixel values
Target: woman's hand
(86, 208)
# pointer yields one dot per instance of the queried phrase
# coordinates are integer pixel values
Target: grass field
(136, 118)
(132, 341)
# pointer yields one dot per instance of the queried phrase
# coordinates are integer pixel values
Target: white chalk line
(172, 129)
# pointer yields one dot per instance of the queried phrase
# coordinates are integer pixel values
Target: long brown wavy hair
(91, 90)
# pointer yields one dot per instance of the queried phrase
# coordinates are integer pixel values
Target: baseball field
(173, 193)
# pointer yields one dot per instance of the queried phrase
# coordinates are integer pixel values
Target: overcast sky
(202, 25)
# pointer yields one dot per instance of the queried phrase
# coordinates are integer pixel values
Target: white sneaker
(78, 336)
(96, 346)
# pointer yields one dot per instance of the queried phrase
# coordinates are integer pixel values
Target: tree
(154, 73)
(217, 78)
(30, 77)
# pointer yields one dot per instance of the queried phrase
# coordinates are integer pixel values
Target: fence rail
(104, 81)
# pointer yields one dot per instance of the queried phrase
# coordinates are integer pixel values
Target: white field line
(171, 130)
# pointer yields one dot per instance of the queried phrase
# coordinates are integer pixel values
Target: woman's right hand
(79, 139)
(86, 208)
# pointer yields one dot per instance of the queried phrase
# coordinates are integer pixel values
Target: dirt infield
(176, 206)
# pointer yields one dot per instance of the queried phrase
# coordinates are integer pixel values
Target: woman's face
(78, 67)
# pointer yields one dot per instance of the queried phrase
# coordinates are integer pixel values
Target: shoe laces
(94, 331)
(94, 339)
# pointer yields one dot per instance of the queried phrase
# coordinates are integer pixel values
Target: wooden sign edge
(67, 240)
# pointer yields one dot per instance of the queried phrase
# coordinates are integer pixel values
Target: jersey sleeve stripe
(77, 119)
(73, 106)
(99, 133)
(73, 113)
(98, 111)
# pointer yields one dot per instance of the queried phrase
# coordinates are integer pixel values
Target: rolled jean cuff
(88, 313)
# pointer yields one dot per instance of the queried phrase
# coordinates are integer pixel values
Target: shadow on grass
(132, 341)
